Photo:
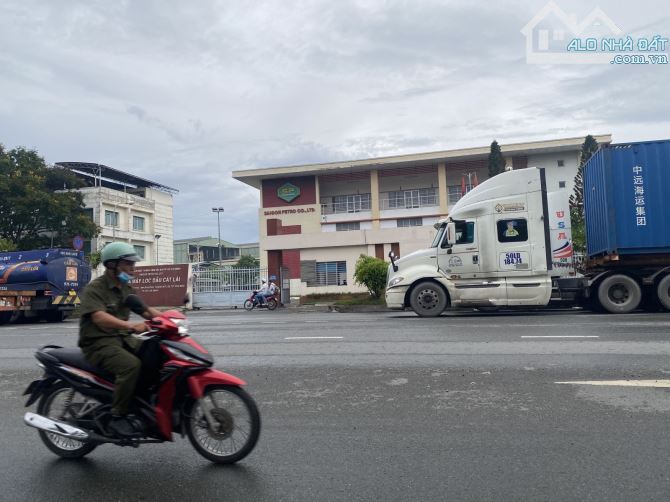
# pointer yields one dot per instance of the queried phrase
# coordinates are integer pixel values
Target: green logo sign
(288, 192)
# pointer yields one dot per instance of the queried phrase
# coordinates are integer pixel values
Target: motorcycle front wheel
(238, 424)
(248, 305)
(59, 403)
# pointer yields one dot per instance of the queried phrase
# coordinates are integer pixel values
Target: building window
(346, 226)
(561, 184)
(351, 203)
(331, 273)
(406, 199)
(409, 222)
(560, 163)
(138, 223)
(140, 251)
(111, 218)
(515, 230)
(455, 192)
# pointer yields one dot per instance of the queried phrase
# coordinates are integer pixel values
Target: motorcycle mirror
(135, 304)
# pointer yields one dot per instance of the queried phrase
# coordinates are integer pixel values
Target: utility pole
(218, 211)
(157, 236)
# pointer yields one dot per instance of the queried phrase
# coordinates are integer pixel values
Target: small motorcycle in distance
(251, 302)
(187, 396)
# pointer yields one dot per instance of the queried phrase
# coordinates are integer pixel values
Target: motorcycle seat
(75, 357)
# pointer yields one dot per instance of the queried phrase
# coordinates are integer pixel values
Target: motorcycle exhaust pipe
(55, 427)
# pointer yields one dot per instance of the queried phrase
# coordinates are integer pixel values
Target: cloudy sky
(183, 93)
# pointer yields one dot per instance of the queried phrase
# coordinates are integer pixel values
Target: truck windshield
(438, 237)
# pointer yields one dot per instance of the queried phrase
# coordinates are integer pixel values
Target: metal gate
(285, 285)
(225, 287)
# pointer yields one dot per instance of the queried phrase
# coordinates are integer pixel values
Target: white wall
(554, 173)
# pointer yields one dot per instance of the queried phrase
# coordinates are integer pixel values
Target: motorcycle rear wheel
(53, 405)
(272, 304)
(248, 305)
(239, 425)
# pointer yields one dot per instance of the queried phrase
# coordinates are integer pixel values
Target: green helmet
(119, 251)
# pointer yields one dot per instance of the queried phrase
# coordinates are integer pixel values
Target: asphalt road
(388, 406)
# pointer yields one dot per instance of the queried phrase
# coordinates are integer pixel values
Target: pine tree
(496, 160)
(589, 147)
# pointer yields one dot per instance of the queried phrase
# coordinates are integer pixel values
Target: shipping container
(626, 200)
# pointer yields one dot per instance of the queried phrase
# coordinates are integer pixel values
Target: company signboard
(288, 192)
(163, 285)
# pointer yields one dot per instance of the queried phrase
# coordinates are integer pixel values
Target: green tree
(39, 203)
(6, 245)
(496, 160)
(247, 261)
(589, 147)
(371, 273)
(94, 259)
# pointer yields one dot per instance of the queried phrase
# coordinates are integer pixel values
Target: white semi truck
(507, 244)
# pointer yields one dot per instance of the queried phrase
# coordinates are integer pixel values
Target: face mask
(124, 278)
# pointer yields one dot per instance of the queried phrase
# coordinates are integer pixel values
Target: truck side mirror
(451, 233)
(392, 257)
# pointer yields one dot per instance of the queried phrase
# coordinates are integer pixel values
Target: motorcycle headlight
(395, 281)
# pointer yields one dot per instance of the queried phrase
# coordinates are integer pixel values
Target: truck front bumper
(395, 297)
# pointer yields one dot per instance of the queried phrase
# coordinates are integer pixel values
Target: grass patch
(342, 299)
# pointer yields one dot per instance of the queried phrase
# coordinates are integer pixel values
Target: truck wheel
(663, 292)
(428, 299)
(619, 294)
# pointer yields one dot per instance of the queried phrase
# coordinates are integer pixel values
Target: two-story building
(317, 219)
(127, 208)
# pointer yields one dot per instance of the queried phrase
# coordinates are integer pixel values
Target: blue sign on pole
(78, 242)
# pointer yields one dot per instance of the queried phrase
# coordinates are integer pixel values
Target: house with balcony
(317, 219)
(127, 208)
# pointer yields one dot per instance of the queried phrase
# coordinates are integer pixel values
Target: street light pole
(218, 211)
(157, 236)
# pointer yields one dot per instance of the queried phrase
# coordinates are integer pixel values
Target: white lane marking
(622, 383)
(313, 338)
(560, 336)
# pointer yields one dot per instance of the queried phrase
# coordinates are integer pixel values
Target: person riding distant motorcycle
(104, 327)
(263, 293)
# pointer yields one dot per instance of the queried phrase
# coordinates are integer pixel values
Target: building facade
(127, 208)
(316, 220)
(205, 250)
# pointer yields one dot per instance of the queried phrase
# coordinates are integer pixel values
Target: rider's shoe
(121, 426)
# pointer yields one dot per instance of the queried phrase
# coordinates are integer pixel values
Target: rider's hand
(138, 327)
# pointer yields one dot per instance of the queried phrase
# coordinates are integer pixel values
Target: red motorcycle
(185, 396)
(270, 303)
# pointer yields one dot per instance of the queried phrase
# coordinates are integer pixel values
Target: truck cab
(494, 250)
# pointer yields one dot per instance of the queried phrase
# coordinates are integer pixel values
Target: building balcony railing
(342, 204)
(408, 199)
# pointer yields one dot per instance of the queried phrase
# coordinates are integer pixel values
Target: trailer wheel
(663, 292)
(619, 294)
(428, 299)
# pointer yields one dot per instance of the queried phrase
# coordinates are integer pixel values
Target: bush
(371, 273)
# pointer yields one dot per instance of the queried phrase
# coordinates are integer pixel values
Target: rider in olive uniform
(104, 327)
